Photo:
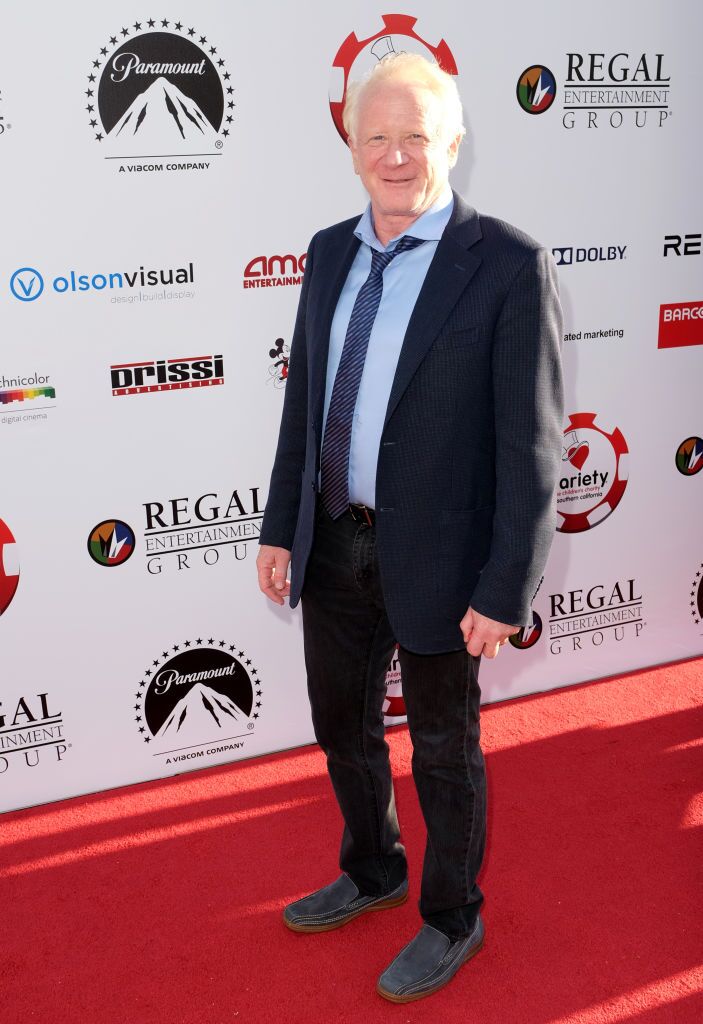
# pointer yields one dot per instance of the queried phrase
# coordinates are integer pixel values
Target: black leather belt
(363, 514)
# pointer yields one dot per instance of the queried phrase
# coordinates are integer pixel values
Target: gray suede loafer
(427, 963)
(336, 904)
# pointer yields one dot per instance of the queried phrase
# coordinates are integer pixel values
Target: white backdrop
(156, 654)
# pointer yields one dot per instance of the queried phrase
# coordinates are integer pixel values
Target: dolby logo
(567, 255)
(146, 376)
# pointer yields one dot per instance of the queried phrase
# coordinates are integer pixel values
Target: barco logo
(680, 324)
(166, 375)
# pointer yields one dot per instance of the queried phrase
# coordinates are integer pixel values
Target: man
(413, 493)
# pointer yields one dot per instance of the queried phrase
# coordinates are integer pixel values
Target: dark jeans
(348, 647)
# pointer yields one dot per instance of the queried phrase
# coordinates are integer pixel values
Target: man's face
(399, 150)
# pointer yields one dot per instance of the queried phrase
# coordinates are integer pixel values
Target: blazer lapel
(450, 271)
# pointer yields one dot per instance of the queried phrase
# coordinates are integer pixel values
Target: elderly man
(413, 496)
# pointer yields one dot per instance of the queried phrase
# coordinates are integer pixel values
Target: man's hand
(272, 566)
(483, 635)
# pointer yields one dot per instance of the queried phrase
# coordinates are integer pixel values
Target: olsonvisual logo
(398, 32)
(27, 283)
(584, 618)
(31, 731)
(111, 542)
(602, 90)
(594, 473)
(9, 566)
(182, 533)
(198, 699)
(682, 245)
(689, 456)
(274, 271)
(566, 255)
(536, 89)
(680, 324)
(145, 377)
(159, 88)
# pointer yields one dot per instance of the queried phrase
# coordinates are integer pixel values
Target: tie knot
(380, 260)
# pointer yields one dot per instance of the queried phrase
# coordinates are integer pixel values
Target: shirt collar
(429, 226)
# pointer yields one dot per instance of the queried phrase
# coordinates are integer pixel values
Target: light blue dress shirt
(402, 280)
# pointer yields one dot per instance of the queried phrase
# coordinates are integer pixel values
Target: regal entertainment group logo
(581, 619)
(601, 90)
(159, 97)
(31, 733)
(147, 376)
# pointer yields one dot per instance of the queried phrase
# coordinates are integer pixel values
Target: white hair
(414, 68)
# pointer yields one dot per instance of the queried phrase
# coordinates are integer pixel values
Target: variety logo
(159, 88)
(181, 533)
(683, 245)
(27, 283)
(689, 456)
(274, 271)
(583, 618)
(680, 324)
(166, 375)
(31, 732)
(697, 596)
(111, 542)
(566, 255)
(17, 394)
(398, 33)
(536, 89)
(394, 711)
(602, 89)
(197, 700)
(278, 370)
(595, 468)
(9, 566)
(528, 635)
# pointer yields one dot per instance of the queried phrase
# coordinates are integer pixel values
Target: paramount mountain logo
(198, 699)
(159, 89)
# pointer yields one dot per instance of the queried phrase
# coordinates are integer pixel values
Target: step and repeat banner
(164, 168)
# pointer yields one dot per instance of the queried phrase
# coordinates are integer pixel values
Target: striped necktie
(336, 442)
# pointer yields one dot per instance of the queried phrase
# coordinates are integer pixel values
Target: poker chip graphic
(394, 711)
(528, 635)
(9, 566)
(594, 473)
(111, 542)
(356, 56)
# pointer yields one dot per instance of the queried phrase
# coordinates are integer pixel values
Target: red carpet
(161, 902)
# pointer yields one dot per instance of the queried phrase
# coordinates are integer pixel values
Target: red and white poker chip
(593, 474)
(355, 55)
(9, 566)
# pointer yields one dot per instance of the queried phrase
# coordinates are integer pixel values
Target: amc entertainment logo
(274, 271)
(166, 375)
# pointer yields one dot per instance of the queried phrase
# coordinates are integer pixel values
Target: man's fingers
(272, 569)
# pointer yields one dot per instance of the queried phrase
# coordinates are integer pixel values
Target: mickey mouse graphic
(279, 371)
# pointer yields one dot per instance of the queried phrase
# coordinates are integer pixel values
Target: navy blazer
(471, 444)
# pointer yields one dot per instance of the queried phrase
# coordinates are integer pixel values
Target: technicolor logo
(26, 395)
(357, 56)
(9, 566)
(197, 699)
(536, 89)
(274, 271)
(528, 635)
(594, 473)
(697, 596)
(394, 711)
(111, 542)
(159, 89)
(680, 324)
(166, 375)
(689, 456)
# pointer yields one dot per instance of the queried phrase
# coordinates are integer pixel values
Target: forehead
(398, 101)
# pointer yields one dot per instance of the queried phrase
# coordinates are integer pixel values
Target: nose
(395, 156)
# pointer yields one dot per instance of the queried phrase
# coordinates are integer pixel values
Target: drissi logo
(9, 567)
(31, 732)
(198, 699)
(397, 33)
(594, 473)
(160, 89)
(145, 377)
(111, 542)
(586, 618)
(689, 456)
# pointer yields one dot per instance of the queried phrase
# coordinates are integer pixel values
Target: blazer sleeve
(281, 513)
(528, 404)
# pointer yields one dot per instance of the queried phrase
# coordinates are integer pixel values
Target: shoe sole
(308, 928)
(428, 991)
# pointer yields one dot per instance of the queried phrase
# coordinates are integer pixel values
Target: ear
(453, 151)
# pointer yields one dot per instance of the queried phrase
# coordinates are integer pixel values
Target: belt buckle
(361, 514)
